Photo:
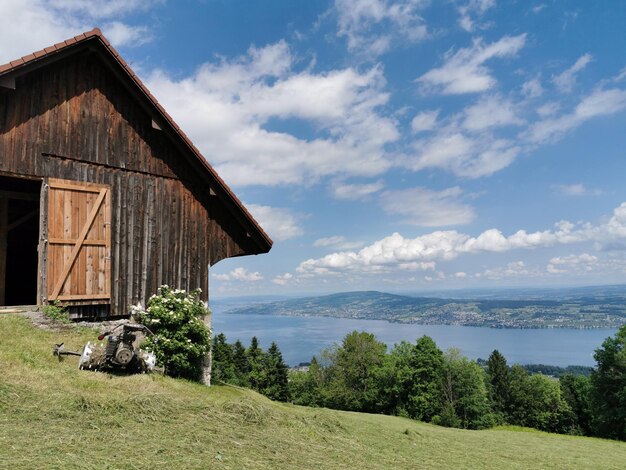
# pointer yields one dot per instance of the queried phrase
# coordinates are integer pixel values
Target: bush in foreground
(183, 340)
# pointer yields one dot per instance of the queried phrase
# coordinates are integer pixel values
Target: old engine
(120, 352)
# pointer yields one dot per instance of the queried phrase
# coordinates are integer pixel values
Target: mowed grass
(54, 416)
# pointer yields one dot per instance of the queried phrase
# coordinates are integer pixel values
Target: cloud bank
(398, 252)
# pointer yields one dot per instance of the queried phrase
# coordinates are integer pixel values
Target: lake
(300, 338)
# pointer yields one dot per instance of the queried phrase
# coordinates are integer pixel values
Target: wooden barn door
(79, 242)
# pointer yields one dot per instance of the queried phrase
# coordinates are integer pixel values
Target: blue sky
(400, 146)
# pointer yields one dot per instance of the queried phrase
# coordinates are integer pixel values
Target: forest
(420, 381)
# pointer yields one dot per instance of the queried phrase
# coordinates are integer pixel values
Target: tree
(303, 388)
(424, 399)
(352, 384)
(276, 386)
(394, 381)
(257, 372)
(608, 388)
(536, 402)
(576, 391)
(222, 357)
(464, 394)
(240, 364)
(499, 384)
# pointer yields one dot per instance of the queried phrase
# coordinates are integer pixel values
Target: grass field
(54, 416)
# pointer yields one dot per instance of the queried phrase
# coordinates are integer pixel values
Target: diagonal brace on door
(79, 243)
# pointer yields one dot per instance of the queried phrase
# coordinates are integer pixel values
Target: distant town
(588, 307)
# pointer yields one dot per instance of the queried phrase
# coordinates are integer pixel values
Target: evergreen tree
(277, 374)
(255, 356)
(520, 402)
(608, 388)
(222, 360)
(499, 384)
(427, 371)
(240, 364)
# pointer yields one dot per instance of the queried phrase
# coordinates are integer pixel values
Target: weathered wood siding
(75, 120)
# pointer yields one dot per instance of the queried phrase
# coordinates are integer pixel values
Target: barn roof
(95, 38)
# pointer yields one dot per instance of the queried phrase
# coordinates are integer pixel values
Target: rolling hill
(54, 416)
(585, 311)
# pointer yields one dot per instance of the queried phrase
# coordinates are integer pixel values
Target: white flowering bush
(175, 317)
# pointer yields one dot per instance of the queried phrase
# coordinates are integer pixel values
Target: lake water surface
(300, 338)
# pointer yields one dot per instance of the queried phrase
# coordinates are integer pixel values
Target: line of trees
(420, 381)
(263, 371)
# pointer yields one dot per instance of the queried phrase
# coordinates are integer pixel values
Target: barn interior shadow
(19, 237)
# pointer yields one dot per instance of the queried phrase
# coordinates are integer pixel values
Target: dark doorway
(19, 238)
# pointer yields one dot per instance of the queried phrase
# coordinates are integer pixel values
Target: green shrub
(183, 340)
(56, 312)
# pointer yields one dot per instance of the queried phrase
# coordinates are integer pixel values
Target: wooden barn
(102, 196)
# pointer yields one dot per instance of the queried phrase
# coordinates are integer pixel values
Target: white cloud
(471, 10)
(532, 88)
(548, 109)
(224, 107)
(427, 208)
(464, 71)
(120, 33)
(239, 274)
(577, 189)
(491, 111)
(283, 279)
(620, 76)
(31, 25)
(279, 223)
(601, 102)
(370, 26)
(566, 80)
(395, 250)
(583, 262)
(512, 269)
(337, 242)
(538, 8)
(467, 156)
(101, 9)
(573, 189)
(329, 241)
(425, 121)
(342, 190)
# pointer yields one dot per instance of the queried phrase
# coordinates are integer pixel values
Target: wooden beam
(83, 297)
(71, 241)
(4, 221)
(83, 234)
(84, 187)
(42, 248)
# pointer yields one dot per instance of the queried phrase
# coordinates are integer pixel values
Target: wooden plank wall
(166, 228)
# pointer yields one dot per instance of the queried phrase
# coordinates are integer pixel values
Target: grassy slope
(55, 416)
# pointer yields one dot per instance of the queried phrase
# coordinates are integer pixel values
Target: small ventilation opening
(19, 238)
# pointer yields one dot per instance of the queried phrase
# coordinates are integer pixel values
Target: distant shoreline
(588, 308)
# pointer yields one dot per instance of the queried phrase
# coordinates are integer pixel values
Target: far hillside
(570, 308)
